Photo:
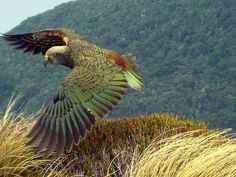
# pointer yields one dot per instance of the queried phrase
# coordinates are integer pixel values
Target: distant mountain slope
(185, 51)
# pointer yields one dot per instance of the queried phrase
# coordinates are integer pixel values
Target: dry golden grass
(17, 158)
(186, 155)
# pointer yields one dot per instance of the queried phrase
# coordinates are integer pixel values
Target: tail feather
(134, 80)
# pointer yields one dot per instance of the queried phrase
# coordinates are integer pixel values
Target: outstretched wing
(87, 93)
(37, 42)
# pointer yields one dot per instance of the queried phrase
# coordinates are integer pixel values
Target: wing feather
(53, 138)
(61, 137)
(37, 42)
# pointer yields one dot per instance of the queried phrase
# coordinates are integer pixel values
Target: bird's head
(58, 55)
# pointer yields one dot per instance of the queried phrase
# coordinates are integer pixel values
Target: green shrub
(108, 138)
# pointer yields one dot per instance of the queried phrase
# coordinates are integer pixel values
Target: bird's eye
(54, 54)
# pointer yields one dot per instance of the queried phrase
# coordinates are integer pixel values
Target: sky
(15, 11)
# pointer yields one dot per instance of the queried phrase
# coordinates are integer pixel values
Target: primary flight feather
(97, 82)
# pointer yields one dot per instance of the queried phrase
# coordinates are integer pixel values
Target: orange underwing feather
(45, 35)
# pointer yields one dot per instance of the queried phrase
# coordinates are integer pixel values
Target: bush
(110, 137)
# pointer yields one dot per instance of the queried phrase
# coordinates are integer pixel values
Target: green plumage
(95, 85)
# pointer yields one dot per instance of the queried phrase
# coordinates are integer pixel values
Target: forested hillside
(186, 52)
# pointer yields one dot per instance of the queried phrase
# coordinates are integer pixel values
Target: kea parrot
(98, 80)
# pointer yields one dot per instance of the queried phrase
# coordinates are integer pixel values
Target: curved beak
(46, 60)
(45, 64)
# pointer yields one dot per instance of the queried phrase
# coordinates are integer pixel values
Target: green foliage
(185, 51)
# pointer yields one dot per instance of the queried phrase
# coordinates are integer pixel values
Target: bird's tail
(134, 80)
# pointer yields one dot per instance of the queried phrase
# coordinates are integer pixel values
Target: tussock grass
(17, 158)
(187, 155)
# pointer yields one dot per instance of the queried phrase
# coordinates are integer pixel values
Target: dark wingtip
(10, 38)
(4, 36)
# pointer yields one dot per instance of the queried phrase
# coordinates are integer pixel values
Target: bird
(98, 80)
